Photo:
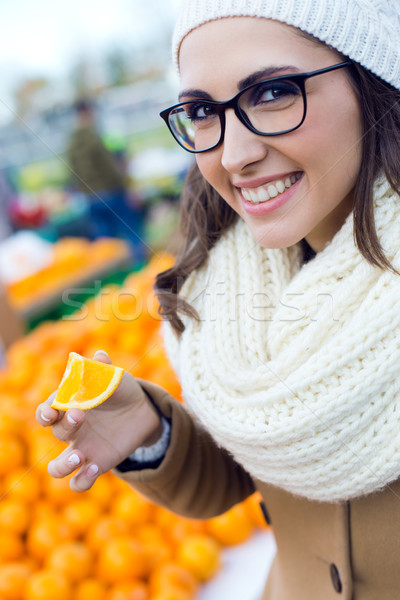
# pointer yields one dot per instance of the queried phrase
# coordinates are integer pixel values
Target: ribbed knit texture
(367, 31)
(295, 369)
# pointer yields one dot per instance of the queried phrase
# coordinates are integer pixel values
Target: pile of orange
(108, 543)
(74, 258)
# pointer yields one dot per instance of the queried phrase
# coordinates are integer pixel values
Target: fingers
(67, 462)
(85, 478)
(102, 356)
(45, 415)
(67, 426)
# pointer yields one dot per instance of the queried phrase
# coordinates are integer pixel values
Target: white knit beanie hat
(367, 31)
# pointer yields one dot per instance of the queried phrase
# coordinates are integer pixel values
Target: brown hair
(205, 215)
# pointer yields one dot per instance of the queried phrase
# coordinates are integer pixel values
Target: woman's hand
(102, 437)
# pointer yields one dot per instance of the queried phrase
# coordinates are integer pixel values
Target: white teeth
(272, 191)
(253, 196)
(280, 186)
(262, 194)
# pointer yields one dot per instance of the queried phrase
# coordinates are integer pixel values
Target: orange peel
(86, 383)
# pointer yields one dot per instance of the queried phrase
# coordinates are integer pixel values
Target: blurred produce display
(73, 260)
(108, 543)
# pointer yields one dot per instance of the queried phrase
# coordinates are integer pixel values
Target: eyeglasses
(271, 107)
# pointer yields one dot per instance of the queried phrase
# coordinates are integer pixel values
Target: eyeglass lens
(269, 107)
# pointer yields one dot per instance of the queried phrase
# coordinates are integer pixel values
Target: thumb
(102, 356)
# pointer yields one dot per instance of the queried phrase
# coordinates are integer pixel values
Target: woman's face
(323, 156)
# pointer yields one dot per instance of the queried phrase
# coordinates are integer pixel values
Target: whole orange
(200, 554)
(45, 533)
(172, 575)
(12, 453)
(73, 559)
(80, 514)
(23, 484)
(103, 530)
(13, 578)
(47, 585)
(14, 516)
(232, 527)
(132, 508)
(103, 491)
(11, 546)
(121, 558)
(90, 589)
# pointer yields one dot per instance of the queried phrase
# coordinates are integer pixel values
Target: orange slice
(86, 383)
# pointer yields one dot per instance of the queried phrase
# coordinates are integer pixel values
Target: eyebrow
(268, 72)
(243, 83)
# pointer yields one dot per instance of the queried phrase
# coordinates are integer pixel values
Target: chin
(275, 242)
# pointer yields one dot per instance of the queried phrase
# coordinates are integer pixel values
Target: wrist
(155, 435)
(158, 449)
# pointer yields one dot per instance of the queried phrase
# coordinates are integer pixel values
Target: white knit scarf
(294, 369)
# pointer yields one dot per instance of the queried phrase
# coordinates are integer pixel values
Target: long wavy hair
(204, 215)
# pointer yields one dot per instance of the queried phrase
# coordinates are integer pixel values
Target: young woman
(281, 313)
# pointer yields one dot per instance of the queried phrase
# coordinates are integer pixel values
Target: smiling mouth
(270, 190)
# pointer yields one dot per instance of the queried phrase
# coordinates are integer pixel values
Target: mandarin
(104, 529)
(12, 453)
(73, 559)
(232, 527)
(23, 484)
(80, 514)
(121, 558)
(102, 493)
(172, 575)
(11, 547)
(13, 578)
(200, 554)
(14, 516)
(132, 508)
(47, 585)
(90, 589)
(45, 533)
(58, 491)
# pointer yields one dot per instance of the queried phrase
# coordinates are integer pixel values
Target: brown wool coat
(343, 551)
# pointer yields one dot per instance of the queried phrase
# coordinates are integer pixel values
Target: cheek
(333, 151)
(210, 167)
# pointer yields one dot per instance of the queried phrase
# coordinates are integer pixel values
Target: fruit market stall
(36, 274)
(108, 543)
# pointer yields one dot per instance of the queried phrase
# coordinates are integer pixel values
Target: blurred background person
(100, 175)
(6, 195)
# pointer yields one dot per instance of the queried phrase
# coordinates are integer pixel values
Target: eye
(199, 111)
(274, 92)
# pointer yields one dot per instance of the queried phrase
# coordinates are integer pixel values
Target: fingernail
(93, 470)
(101, 352)
(71, 420)
(44, 418)
(74, 459)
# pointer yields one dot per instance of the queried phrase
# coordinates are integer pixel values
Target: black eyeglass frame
(298, 78)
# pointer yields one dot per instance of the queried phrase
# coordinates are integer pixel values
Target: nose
(241, 147)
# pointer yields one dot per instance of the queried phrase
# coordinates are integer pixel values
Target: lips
(270, 190)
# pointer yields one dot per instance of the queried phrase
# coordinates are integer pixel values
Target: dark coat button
(337, 584)
(265, 513)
